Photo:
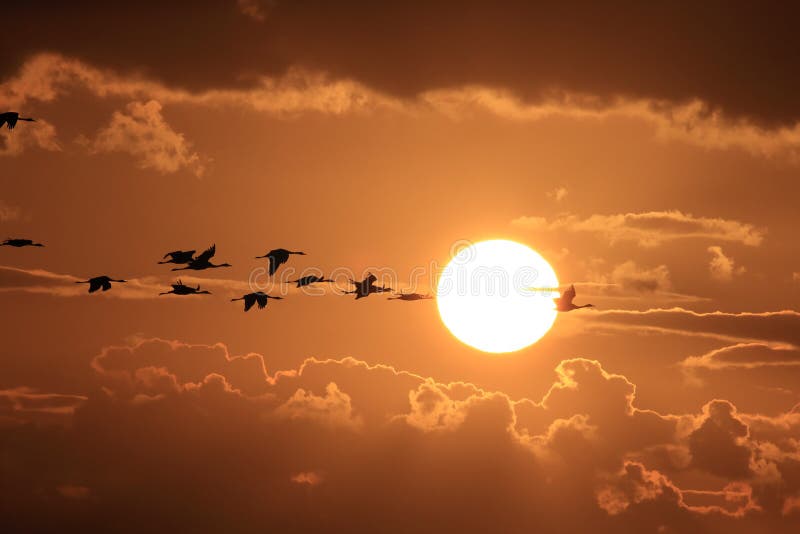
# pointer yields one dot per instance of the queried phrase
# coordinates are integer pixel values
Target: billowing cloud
(142, 131)
(183, 420)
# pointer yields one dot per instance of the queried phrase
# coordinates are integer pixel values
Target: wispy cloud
(40, 281)
(649, 229)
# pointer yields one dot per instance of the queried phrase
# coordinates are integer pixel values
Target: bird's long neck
(585, 306)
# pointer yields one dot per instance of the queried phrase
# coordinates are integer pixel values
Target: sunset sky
(650, 151)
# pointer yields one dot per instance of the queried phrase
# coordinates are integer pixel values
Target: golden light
(496, 296)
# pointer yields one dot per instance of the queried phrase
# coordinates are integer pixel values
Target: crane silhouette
(564, 304)
(181, 289)
(201, 261)
(367, 287)
(308, 280)
(99, 282)
(20, 243)
(278, 257)
(11, 117)
(253, 298)
(410, 296)
(178, 256)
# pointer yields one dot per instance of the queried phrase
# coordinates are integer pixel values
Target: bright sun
(496, 296)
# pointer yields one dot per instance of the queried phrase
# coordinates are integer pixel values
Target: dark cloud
(181, 437)
(740, 58)
(716, 445)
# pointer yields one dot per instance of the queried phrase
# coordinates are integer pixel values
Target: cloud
(304, 88)
(717, 444)
(722, 267)
(25, 399)
(45, 282)
(257, 10)
(744, 356)
(630, 276)
(602, 54)
(693, 122)
(216, 439)
(558, 194)
(775, 328)
(141, 131)
(649, 229)
(49, 77)
(636, 485)
(333, 408)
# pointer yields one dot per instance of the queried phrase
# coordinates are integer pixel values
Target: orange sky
(647, 153)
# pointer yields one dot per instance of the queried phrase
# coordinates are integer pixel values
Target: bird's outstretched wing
(106, 285)
(94, 285)
(277, 257)
(262, 300)
(567, 296)
(207, 254)
(274, 263)
(371, 279)
(249, 300)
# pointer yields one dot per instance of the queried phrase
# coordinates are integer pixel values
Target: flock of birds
(200, 262)
(275, 257)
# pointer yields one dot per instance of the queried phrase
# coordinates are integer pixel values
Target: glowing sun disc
(496, 296)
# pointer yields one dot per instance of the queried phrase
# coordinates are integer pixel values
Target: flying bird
(278, 257)
(180, 289)
(253, 298)
(11, 117)
(367, 287)
(308, 280)
(99, 282)
(178, 256)
(20, 243)
(410, 296)
(201, 261)
(564, 304)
